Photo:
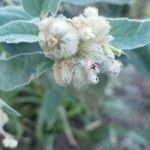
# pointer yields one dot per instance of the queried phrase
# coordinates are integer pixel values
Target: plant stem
(67, 128)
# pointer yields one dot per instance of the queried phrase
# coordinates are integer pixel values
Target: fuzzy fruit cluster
(80, 47)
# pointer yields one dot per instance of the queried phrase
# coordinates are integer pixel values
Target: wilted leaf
(12, 13)
(130, 34)
(38, 8)
(19, 31)
(22, 69)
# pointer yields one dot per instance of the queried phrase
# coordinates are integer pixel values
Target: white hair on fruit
(80, 47)
(58, 38)
(91, 11)
(92, 70)
(9, 142)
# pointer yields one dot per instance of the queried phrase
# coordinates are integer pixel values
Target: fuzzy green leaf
(21, 48)
(87, 2)
(12, 13)
(22, 69)
(130, 34)
(140, 59)
(38, 8)
(19, 31)
(8, 109)
(49, 112)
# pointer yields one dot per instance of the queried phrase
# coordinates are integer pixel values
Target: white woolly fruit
(90, 11)
(59, 27)
(68, 47)
(66, 71)
(102, 56)
(80, 47)
(79, 22)
(111, 67)
(63, 72)
(43, 25)
(85, 31)
(92, 50)
(58, 38)
(85, 73)
(79, 77)
(92, 70)
(76, 72)
(86, 34)
(98, 25)
(107, 51)
(115, 68)
(105, 39)
(9, 142)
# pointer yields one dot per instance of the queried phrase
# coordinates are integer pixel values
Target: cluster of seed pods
(80, 47)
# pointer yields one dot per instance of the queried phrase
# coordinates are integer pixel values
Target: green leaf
(137, 137)
(49, 111)
(112, 106)
(17, 2)
(21, 48)
(144, 55)
(39, 8)
(19, 31)
(12, 13)
(8, 109)
(140, 58)
(50, 142)
(130, 34)
(87, 2)
(22, 69)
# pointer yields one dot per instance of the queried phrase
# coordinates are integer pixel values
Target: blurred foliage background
(113, 115)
